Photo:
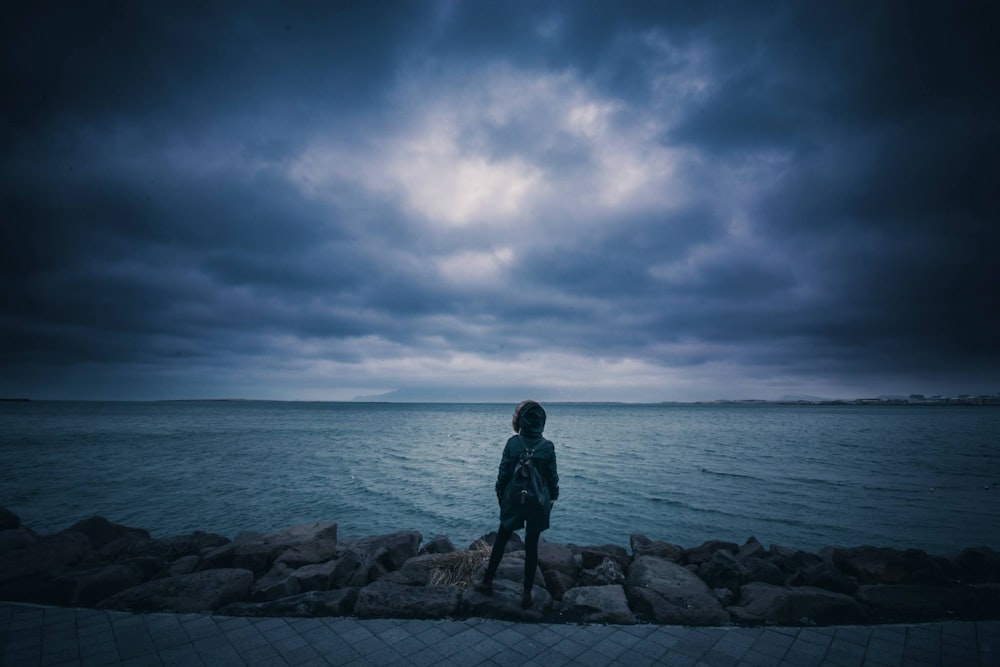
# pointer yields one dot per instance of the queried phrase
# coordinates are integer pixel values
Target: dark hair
(518, 411)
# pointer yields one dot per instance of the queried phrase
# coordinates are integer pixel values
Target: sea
(802, 476)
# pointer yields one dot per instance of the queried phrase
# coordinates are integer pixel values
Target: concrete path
(37, 635)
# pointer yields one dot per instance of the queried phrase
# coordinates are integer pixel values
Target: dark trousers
(530, 555)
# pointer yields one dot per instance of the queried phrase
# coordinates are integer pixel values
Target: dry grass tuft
(457, 568)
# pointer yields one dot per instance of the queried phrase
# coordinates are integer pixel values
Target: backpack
(526, 487)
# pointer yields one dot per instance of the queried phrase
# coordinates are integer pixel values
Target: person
(528, 423)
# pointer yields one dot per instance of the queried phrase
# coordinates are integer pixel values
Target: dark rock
(592, 557)
(978, 564)
(16, 538)
(643, 546)
(598, 604)
(90, 585)
(101, 532)
(791, 561)
(439, 544)
(725, 596)
(515, 543)
(704, 552)
(390, 551)
(921, 602)
(183, 565)
(783, 605)
(304, 605)
(752, 548)
(558, 583)
(882, 565)
(9, 520)
(310, 553)
(391, 600)
(177, 546)
(669, 593)
(347, 568)
(553, 556)
(762, 570)
(825, 575)
(505, 602)
(26, 574)
(512, 569)
(608, 573)
(151, 566)
(218, 557)
(257, 553)
(276, 584)
(722, 570)
(316, 577)
(197, 592)
(417, 571)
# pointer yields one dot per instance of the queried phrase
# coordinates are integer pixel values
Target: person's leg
(530, 565)
(496, 555)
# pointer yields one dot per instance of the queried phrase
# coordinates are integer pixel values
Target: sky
(490, 201)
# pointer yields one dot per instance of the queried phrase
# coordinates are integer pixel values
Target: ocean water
(800, 476)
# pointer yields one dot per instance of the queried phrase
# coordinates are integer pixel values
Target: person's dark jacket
(514, 515)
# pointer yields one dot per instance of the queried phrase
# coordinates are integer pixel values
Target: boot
(526, 599)
(484, 585)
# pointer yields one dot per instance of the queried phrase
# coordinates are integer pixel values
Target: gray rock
(511, 568)
(417, 571)
(722, 570)
(825, 575)
(669, 593)
(391, 600)
(347, 568)
(592, 557)
(197, 592)
(315, 577)
(310, 553)
(883, 565)
(390, 551)
(277, 583)
(643, 546)
(784, 605)
(759, 569)
(558, 583)
(505, 602)
(752, 548)
(90, 585)
(557, 557)
(704, 552)
(304, 605)
(258, 553)
(439, 544)
(921, 602)
(598, 604)
(9, 520)
(978, 564)
(101, 532)
(16, 538)
(791, 561)
(192, 544)
(26, 574)
(183, 565)
(608, 573)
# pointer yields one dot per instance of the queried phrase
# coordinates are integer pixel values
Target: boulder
(759, 569)
(920, 602)
(192, 544)
(310, 553)
(505, 602)
(978, 564)
(511, 568)
(183, 565)
(102, 532)
(26, 574)
(825, 575)
(670, 593)
(558, 583)
(608, 573)
(722, 570)
(643, 546)
(598, 604)
(347, 568)
(257, 553)
(392, 600)
(791, 561)
(439, 544)
(315, 577)
(304, 605)
(16, 538)
(197, 592)
(752, 548)
(277, 583)
(883, 565)
(390, 551)
(591, 557)
(783, 605)
(9, 520)
(704, 552)
(417, 571)
(88, 586)
(553, 556)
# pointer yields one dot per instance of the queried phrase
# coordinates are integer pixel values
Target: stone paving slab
(33, 635)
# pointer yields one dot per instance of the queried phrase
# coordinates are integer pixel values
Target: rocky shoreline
(308, 570)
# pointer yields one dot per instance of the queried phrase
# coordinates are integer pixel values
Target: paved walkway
(37, 635)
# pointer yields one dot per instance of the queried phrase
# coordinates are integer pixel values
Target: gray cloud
(584, 200)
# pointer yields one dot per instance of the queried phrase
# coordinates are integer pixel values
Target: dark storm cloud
(620, 200)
